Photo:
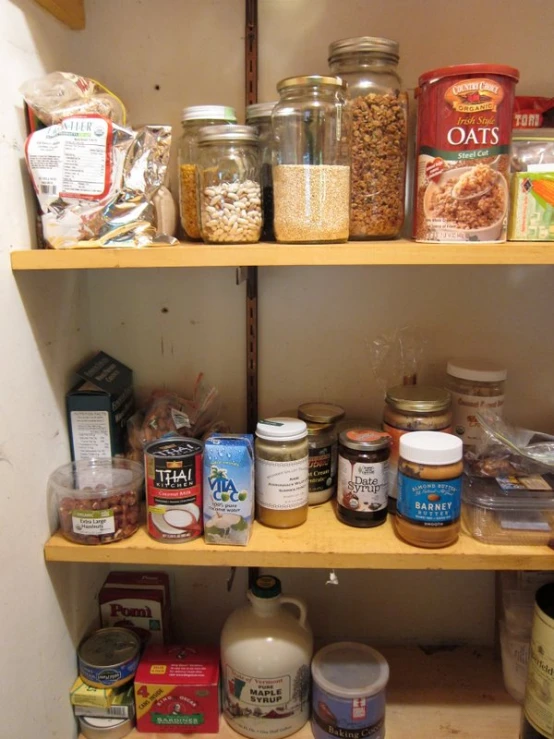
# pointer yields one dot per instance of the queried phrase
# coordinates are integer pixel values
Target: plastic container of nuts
(97, 500)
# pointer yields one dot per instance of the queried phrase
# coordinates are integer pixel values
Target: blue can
(348, 697)
(109, 657)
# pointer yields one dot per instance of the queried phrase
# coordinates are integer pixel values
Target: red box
(177, 690)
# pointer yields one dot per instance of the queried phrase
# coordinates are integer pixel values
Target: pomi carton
(228, 488)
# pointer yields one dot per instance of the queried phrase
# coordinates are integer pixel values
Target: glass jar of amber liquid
(429, 502)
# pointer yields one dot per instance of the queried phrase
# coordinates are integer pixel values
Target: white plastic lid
(431, 447)
(209, 113)
(479, 370)
(350, 670)
(281, 429)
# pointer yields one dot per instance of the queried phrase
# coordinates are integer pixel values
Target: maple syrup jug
(265, 654)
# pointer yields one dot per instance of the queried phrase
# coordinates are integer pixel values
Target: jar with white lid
(282, 467)
(193, 118)
(429, 488)
(321, 419)
(475, 385)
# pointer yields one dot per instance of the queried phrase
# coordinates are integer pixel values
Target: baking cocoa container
(463, 153)
(173, 471)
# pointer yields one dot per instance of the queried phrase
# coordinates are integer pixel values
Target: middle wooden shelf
(322, 542)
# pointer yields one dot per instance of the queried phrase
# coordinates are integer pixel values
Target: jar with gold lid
(321, 419)
(413, 408)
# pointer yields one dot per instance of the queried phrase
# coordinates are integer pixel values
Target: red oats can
(173, 471)
(463, 153)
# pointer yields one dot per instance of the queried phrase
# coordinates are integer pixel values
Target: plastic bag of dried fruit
(166, 412)
(504, 450)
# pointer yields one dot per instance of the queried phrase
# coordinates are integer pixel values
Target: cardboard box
(177, 690)
(532, 207)
(122, 706)
(98, 408)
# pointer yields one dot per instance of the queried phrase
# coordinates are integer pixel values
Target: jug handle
(301, 607)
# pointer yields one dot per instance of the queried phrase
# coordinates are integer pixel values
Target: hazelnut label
(363, 487)
(93, 523)
(429, 503)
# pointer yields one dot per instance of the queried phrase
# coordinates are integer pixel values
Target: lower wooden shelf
(434, 694)
(321, 542)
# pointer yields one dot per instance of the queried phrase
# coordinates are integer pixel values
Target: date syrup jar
(348, 696)
(363, 478)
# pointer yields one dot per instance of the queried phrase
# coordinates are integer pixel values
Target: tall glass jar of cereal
(193, 119)
(379, 119)
(311, 172)
(230, 193)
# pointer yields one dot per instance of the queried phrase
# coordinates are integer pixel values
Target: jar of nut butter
(429, 488)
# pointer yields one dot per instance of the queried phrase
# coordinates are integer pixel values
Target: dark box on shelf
(98, 408)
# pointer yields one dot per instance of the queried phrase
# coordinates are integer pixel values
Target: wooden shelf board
(70, 12)
(399, 252)
(320, 543)
(439, 695)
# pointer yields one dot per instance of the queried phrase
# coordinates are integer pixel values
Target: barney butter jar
(363, 477)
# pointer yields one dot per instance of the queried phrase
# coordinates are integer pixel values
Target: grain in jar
(282, 465)
(475, 385)
(321, 419)
(413, 408)
(430, 471)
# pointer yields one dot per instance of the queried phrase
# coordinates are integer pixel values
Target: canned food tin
(109, 658)
(463, 153)
(173, 469)
(105, 728)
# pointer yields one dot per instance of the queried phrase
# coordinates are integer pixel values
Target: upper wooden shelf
(400, 252)
(70, 12)
(320, 543)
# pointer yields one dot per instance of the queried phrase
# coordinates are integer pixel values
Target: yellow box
(83, 695)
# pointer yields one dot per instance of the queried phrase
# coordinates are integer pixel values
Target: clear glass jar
(259, 117)
(282, 472)
(379, 134)
(230, 196)
(321, 419)
(193, 119)
(311, 172)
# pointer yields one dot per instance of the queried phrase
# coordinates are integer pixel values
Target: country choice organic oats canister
(463, 153)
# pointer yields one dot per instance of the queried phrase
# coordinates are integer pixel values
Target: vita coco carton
(228, 488)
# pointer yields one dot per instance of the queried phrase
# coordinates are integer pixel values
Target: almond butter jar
(430, 471)
(321, 419)
(413, 408)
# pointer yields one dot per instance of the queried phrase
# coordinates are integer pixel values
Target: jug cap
(266, 586)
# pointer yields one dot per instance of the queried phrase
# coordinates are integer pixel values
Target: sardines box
(228, 488)
(98, 408)
(177, 690)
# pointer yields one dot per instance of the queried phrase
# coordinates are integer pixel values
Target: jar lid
(104, 728)
(259, 110)
(364, 439)
(421, 398)
(231, 133)
(281, 429)
(384, 47)
(479, 370)
(266, 586)
(321, 412)
(431, 447)
(457, 70)
(311, 80)
(208, 113)
(350, 670)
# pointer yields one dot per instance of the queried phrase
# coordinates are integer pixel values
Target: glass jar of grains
(311, 172)
(413, 408)
(230, 195)
(322, 443)
(193, 119)
(258, 116)
(281, 472)
(378, 142)
(476, 385)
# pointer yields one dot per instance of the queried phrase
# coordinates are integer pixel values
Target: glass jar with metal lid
(230, 195)
(363, 479)
(379, 134)
(258, 116)
(281, 472)
(322, 443)
(413, 408)
(193, 119)
(311, 173)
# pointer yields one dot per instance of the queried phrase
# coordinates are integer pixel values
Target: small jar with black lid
(322, 443)
(363, 479)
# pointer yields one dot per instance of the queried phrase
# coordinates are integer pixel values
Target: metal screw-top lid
(266, 586)
(384, 48)
(320, 412)
(259, 110)
(418, 398)
(365, 440)
(232, 134)
(209, 113)
(311, 80)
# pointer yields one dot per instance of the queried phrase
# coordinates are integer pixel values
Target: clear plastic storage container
(501, 516)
